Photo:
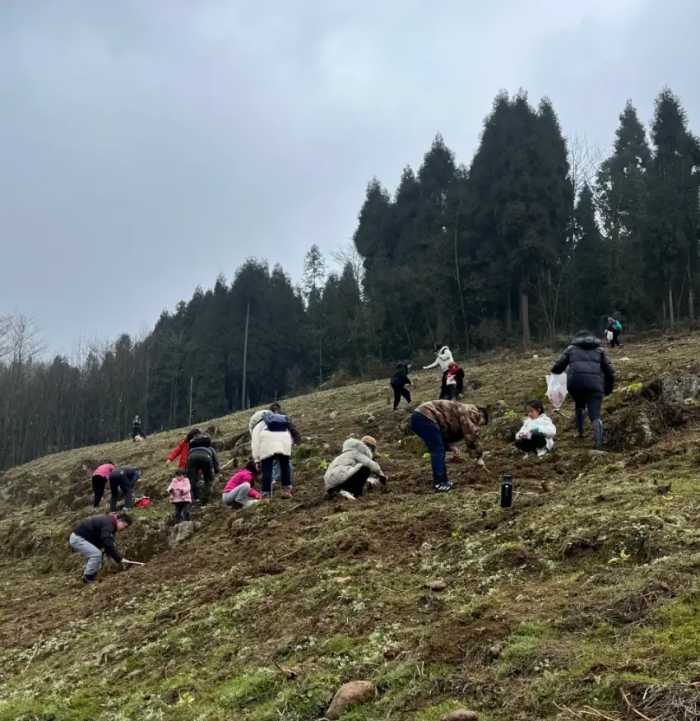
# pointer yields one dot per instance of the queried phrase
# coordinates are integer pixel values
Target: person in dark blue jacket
(590, 376)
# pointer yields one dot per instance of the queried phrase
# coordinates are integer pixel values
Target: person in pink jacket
(239, 492)
(100, 477)
(180, 493)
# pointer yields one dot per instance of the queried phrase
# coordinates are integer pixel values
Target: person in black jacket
(123, 480)
(590, 377)
(95, 535)
(399, 381)
(202, 459)
(137, 429)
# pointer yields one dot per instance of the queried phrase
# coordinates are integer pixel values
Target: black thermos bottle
(507, 491)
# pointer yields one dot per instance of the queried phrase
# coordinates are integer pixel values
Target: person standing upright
(590, 377)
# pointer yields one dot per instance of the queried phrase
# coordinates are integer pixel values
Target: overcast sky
(148, 145)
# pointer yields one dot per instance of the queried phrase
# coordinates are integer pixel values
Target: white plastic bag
(609, 336)
(556, 389)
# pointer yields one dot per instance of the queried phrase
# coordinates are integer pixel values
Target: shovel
(132, 563)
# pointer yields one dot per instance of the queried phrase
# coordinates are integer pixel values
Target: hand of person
(481, 463)
(167, 461)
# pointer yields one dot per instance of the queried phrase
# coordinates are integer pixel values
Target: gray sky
(147, 146)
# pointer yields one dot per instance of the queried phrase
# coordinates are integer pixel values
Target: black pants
(196, 464)
(399, 393)
(285, 473)
(591, 402)
(533, 443)
(355, 484)
(98, 489)
(119, 483)
(182, 511)
(615, 339)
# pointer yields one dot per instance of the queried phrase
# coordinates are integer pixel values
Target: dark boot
(580, 420)
(598, 433)
(89, 578)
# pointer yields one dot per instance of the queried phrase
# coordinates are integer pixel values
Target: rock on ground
(461, 714)
(350, 694)
(181, 532)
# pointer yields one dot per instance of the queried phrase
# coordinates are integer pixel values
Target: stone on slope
(461, 714)
(181, 532)
(350, 694)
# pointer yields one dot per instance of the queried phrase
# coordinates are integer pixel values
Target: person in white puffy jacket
(350, 471)
(272, 436)
(537, 432)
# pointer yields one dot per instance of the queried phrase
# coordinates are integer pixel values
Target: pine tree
(590, 263)
(314, 274)
(622, 199)
(672, 237)
(520, 205)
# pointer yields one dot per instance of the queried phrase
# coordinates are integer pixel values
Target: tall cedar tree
(672, 232)
(590, 263)
(520, 201)
(622, 199)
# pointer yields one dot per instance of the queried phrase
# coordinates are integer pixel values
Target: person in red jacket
(182, 451)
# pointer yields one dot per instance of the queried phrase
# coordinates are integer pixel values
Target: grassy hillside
(579, 603)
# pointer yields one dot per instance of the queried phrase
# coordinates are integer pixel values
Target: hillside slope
(580, 602)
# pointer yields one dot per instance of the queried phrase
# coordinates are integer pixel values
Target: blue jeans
(431, 435)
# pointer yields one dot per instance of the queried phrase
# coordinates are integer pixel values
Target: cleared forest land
(581, 602)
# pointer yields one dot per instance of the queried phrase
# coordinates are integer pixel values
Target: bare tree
(5, 336)
(349, 256)
(584, 161)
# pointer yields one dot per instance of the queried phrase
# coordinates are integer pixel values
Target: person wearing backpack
(590, 376)
(202, 459)
(272, 436)
(615, 328)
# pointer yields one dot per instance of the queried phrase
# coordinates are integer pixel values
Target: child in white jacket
(537, 432)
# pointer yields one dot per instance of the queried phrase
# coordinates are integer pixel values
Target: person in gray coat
(350, 471)
(590, 376)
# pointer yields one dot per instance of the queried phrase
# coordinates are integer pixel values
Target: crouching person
(240, 492)
(353, 468)
(95, 535)
(537, 432)
(122, 481)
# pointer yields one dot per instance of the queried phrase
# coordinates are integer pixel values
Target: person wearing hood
(399, 381)
(272, 436)
(350, 471)
(442, 360)
(590, 376)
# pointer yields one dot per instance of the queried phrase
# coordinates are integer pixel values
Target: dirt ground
(581, 601)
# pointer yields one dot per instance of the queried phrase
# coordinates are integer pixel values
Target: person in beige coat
(350, 471)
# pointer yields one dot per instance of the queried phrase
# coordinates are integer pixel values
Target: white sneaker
(541, 452)
(347, 494)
